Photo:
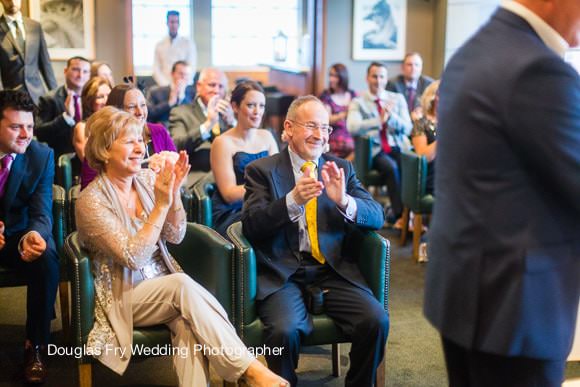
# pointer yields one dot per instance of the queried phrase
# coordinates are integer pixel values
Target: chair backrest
(202, 192)
(363, 157)
(64, 171)
(245, 277)
(83, 289)
(72, 196)
(59, 218)
(413, 179)
(208, 258)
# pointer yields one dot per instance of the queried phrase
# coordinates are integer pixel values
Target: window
(150, 26)
(242, 32)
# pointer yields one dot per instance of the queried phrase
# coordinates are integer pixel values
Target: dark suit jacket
(504, 268)
(274, 237)
(397, 85)
(184, 125)
(53, 128)
(23, 69)
(27, 201)
(158, 105)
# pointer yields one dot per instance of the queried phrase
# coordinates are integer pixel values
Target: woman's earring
(106, 161)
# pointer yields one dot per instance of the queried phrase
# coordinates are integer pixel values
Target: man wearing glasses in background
(297, 208)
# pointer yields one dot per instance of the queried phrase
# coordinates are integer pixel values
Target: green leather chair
(203, 189)
(413, 183)
(375, 268)
(13, 278)
(363, 162)
(203, 254)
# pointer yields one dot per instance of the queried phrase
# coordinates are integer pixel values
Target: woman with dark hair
(236, 148)
(94, 97)
(129, 98)
(336, 99)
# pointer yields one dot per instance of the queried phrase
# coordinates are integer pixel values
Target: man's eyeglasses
(311, 126)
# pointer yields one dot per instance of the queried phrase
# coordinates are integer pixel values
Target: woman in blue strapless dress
(232, 151)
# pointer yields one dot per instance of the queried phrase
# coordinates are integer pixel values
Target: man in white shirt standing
(171, 49)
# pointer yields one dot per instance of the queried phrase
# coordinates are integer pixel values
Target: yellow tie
(216, 129)
(311, 208)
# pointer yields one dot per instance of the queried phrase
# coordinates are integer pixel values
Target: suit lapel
(8, 34)
(19, 165)
(30, 40)
(283, 179)
(283, 175)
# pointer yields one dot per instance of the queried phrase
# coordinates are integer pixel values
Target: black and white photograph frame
(379, 29)
(68, 26)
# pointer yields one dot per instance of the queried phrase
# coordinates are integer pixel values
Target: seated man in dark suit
(411, 83)
(60, 109)
(194, 126)
(296, 224)
(161, 99)
(26, 243)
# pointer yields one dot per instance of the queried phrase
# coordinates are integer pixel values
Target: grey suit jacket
(184, 126)
(504, 246)
(23, 70)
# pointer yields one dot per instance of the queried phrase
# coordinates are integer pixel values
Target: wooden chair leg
(85, 375)
(336, 360)
(404, 230)
(417, 229)
(381, 380)
(63, 291)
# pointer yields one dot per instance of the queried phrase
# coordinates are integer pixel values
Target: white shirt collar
(10, 19)
(549, 36)
(412, 83)
(382, 95)
(297, 162)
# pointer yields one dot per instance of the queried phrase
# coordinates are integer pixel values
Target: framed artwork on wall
(379, 29)
(68, 25)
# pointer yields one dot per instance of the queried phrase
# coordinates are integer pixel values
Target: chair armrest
(208, 258)
(245, 277)
(83, 289)
(374, 260)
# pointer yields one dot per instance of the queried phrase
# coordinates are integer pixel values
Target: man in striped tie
(297, 208)
(26, 242)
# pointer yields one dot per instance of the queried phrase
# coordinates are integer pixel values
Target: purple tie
(5, 162)
(77, 107)
(411, 97)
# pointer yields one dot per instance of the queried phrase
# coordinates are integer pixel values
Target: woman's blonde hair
(104, 127)
(428, 98)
